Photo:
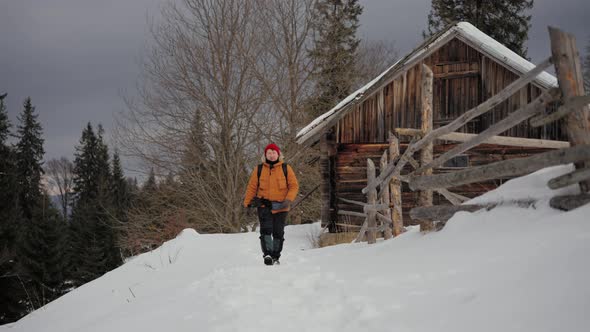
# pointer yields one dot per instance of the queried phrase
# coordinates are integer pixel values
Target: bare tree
(60, 172)
(198, 106)
(374, 57)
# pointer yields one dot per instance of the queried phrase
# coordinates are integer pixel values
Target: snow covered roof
(463, 31)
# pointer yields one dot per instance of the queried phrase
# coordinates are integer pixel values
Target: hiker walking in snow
(272, 188)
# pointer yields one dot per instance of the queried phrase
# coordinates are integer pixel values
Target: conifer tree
(42, 254)
(29, 155)
(12, 295)
(334, 51)
(91, 234)
(506, 21)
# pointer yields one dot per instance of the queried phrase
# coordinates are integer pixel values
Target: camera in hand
(258, 202)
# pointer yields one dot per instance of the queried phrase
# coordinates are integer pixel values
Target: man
(272, 188)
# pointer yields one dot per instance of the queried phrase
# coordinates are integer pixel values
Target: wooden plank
(565, 180)
(459, 122)
(502, 169)
(569, 202)
(538, 105)
(569, 75)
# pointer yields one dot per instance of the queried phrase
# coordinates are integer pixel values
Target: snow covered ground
(508, 269)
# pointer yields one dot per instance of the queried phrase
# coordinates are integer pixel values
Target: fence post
(371, 200)
(385, 198)
(569, 75)
(395, 189)
(426, 154)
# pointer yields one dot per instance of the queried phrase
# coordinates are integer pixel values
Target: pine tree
(334, 51)
(12, 294)
(91, 235)
(42, 254)
(29, 155)
(504, 20)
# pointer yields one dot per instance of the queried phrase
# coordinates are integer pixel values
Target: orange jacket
(272, 184)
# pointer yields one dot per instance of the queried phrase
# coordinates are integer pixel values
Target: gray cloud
(74, 57)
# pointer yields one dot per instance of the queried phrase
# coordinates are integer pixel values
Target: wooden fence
(382, 212)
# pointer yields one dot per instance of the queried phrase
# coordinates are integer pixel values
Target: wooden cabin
(469, 67)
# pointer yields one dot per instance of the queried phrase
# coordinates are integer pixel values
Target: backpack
(260, 172)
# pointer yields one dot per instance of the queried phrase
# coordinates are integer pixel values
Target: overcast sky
(75, 58)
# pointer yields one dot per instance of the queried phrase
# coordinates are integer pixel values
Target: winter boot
(268, 260)
(275, 261)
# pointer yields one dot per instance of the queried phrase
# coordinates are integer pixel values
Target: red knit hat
(272, 146)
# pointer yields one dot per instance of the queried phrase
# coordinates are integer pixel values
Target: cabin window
(457, 161)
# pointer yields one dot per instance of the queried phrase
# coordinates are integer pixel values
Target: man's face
(272, 155)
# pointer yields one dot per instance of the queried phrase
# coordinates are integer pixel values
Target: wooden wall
(463, 79)
(351, 169)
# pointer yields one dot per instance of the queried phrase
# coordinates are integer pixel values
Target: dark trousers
(272, 231)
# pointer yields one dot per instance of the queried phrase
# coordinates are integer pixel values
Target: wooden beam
(569, 202)
(572, 104)
(514, 118)
(500, 140)
(371, 200)
(502, 169)
(395, 189)
(352, 202)
(569, 75)
(427, 152)
(457, 74)
(375, 207)
(352, 213)
(386, 199)
(445, 212)
(565, 180)
(459, 122)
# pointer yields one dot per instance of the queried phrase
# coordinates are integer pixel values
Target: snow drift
(507, 269)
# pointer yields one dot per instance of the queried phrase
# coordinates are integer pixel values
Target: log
(375, 207)
(395, 189)
(426, 153)
(500, 140)
(569, 202)
(445, 212)
(371, 200)
(352, 202)
(572, 104)
(565, 180)
(459, 122)
(569, 75)
(514, 118)
(352, 213)
(362, 232)
(502, 169)
(385, 199)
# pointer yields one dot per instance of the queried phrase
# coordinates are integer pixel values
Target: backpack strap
(285, 171)
(259, 172)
